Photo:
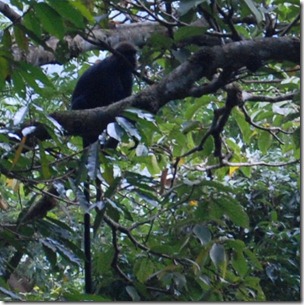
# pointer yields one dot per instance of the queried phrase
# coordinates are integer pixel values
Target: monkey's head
(127, 50)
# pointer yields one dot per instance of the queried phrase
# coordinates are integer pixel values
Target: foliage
(169, 225)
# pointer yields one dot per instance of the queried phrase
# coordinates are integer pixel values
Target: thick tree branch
(179, 83)
(137, 33)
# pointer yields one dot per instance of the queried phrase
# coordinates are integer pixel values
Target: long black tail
(87, 245)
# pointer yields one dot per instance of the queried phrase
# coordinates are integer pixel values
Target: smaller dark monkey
(106, 82)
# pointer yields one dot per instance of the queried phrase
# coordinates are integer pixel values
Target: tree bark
(179, 83)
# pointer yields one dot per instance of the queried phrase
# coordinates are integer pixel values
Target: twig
(111, 223)
(270, 99)
(114, 263)
(271, 130)
(225, 163)
(290, 25)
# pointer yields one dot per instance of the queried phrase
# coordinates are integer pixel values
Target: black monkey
(104, 83)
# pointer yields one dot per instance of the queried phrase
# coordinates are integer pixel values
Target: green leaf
(128, 127)
(50, 254)
(257, 13)
(32, 23)
(77, 296)
(133, 293)
(159, 41)
(243, 125)
(264, 141)
(69, 12)
(19, 83)
(6, 39)
(66, 253)
(20, 37)
(234, 211)
(115, 131)
(186, 6)
(296, 136)
(93, 160)
(246, 170)
(202, 233)
(188, 31)
(253, 259)
(99, 216)
(83, 10)
(239, 263)
(143, 269)
(50, 19)
(44, 162)
(104, 259)
(108, 170)
(20, 115)
(32, 76)
(217, 254)
(189, 126)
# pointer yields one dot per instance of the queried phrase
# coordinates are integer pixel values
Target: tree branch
(178, 84)
(8, 12)
(226, 163)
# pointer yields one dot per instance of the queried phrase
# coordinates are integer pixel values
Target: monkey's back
(102, 84)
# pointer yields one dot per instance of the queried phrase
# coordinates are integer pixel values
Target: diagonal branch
(271, 130)
(179, 83)
(9, 12)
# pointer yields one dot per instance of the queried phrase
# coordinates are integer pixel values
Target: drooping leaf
(20, 115)
(115, 131)
(264, 141)
(189, 31)
(128, 127)
(202, 233)
(217, 254)
(143, 269)
(50, 19)
(256, 12)
(21, 38)
(65, 252)
(69, 12)
(93, 160)
(234, 211)
(44, 162)
(133, 293)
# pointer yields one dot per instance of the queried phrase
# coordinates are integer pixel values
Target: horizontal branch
(225, 163)
(270, 99)
(137, 33)
(179, 83)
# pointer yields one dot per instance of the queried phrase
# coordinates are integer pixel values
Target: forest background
(201, 199)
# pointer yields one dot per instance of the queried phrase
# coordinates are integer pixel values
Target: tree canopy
(200, 201)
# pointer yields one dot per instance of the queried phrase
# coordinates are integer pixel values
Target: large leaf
(202, 233)
(93, 160)
(188, 31)
(234, 211)
(51, 21)
(69, 12)
(264, 141)
(217, 254)
(143, 269)
(256, 12)
(65, 252)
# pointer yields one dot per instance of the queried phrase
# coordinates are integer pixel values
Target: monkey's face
(128, 50)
